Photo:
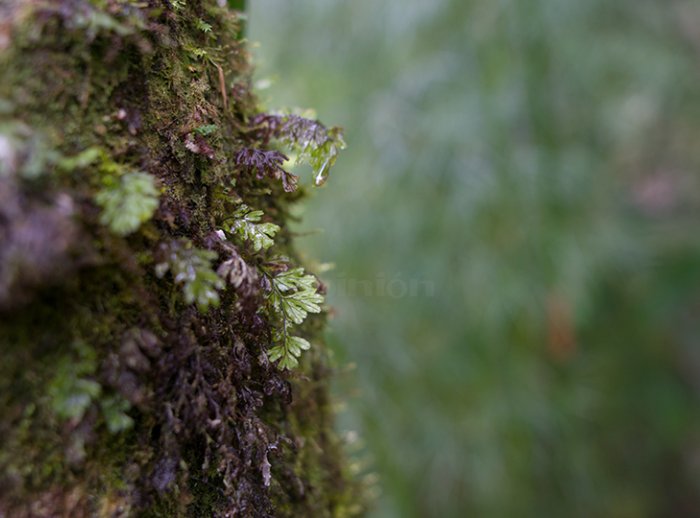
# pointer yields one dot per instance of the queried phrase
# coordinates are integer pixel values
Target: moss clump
(135, 314)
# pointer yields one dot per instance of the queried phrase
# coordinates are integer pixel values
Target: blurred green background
(514, 228)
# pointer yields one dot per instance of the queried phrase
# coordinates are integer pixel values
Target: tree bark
(134, 325)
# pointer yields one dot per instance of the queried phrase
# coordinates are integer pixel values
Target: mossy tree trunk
(140, 296)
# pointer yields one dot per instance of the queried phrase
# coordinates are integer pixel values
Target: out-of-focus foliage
(515, 237)
(71, 392)
(191, 268)
(127, 202)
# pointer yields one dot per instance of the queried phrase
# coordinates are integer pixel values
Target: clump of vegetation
(148, 282)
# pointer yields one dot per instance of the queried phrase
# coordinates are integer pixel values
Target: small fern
(127, 202)
(267, 163)
(312, 141)
(288, 351)
(114, 410)
(71, 392)
(203, 26)
(191, 267)
(247, 226)
(293, 295)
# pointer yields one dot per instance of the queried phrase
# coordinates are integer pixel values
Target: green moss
(118, 390)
